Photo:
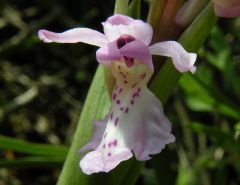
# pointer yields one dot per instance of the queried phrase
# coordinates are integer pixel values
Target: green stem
(121, 6)
(155, 12)
(134, 9)
(190, 11)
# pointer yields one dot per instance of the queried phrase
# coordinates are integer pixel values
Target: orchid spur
(136, 122)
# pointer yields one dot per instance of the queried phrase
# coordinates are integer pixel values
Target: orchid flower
(227, 8)
(136, 122)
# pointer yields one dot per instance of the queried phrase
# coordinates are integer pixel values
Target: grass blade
(17, 145)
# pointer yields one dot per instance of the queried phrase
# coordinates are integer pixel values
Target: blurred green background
(43, 87)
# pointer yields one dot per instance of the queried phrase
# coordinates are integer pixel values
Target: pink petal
(94, 162)
(182, 60)
(108, 53)
(138, 29)
(227, 11)
(119, 19)
(138, 50)
(136, 122)
(99, 128)
(153, 129)
(75, 35)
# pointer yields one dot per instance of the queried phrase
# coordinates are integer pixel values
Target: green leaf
(192, 172)
(221, 137)
(17, 145)
(36, 162)
(134, 9)
(162, 165)
(202, 96)
(155, 12)
(95, 108)
(121, 6)
(220, 56)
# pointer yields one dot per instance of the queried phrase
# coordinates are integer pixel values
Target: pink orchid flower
(136, 122)
(227, 8)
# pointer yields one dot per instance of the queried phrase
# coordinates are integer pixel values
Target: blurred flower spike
(136, 122)
(227, 8)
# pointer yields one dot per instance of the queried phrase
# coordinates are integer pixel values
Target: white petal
(75, 35)
(120, 19)
(182, 60)
(138, 29)
(97, 161)
(139, 51)
(108, 53)
(136, 122)
(99, 128)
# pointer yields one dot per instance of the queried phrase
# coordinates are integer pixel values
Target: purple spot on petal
(114, 96)
(123, 40)
(111, 115)
(109, 144)
(115, 142)
(129, 39)
(134, 85)
(104, 145)
(125, 81)
(123, 75)
(121, 108)
(109, 154)
(116, 87)
(126, 110)
(133, 96)
(132, 102)
(139, 89)
(136, 94)
(120, 90)
(116, 121)
(118, 102)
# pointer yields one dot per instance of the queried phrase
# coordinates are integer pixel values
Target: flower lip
(123, 40)
(128, 61)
